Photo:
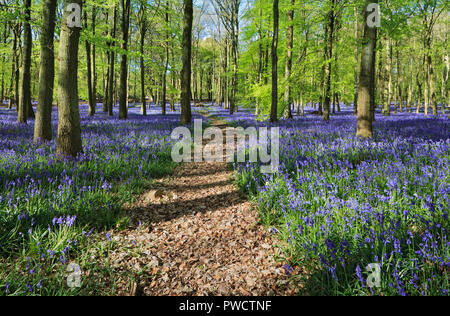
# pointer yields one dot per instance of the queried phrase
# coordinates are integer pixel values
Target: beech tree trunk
(25, 108)
(112, 60)
(166, 64)
(366, 79)
(89, 71)
(388, 76)
(357, 63)
(186, 115)
(13, 82)
(123, 92)
(274, 107)
(328, 56)
(69, 130)
(143, 30)
(93, 61)
(43, 125)
(288, 70)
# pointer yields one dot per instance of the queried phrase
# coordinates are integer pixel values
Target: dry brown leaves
(198, 235)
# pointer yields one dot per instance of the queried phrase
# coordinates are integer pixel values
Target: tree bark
(93, 60)
(388, 74)
(89, 72)
(166, 63)
(5, 37)
(328, 56)
(25, 108)
(366, 79)
(143, 30)
(69, 130)
(186, 115)
(357, 63)
(274, 107)
(123, 92)
(13, 81)
(288, 69)
(112, 60)
(42, 125)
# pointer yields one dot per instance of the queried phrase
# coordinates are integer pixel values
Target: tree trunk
(42, 125)
(357, 62)
(166, 63)
(93, 62)
(288, 69)
(143, 30)
(112, 60)
(5, 37)
(328, 56)
(123, 92)
(388, 74)
(12, 85)
(17, 67)
(430, 76)
(366, 79)
(69, 130)
(234, 51)
(273, 109)
(445, 74)
(186, 115)
(89, 72)
(25, 108)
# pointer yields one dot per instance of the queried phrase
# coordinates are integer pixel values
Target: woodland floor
(199, 235)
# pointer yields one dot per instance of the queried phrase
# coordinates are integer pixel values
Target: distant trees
(175, 50)
(228, 14)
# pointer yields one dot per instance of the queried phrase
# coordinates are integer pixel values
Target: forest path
(199, 235)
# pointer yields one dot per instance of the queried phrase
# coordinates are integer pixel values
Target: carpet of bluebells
(54, 212)
(340, 203)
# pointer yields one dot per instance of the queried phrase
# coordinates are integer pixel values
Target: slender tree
(142, 30)
(112, 60)
(123, 92)
(274, 107)
(329, 37)
(186, 115)
(288, 70)
(357, 61)
(42, 125)
(25, 109)
(166, 62)
(89, 70)
(93, 60)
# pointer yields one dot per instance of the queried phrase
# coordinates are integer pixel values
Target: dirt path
(200, 236)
